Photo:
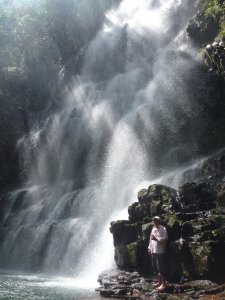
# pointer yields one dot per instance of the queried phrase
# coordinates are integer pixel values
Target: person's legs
(161, 270)
(155, 266)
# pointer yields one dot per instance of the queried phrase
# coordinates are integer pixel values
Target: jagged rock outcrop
(214, 56)
(195, 220)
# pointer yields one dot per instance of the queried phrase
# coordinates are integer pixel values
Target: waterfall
(121, 124)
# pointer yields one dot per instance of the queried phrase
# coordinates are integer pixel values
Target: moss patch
(132, 254)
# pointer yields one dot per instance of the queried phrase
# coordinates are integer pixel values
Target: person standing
(157, 249)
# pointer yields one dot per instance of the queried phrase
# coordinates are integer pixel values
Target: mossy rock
(132, 213)
(202, 259)
(125, 232)
(132, 255)
(173, 262)
(170, 219)
(118, 225)
(172, 297)
(194, 197)
(200, 228)
(162, 192)
(173, 225)
(187, 230)
(203, 236)
(143, 196)
(219, 234)
(156, 192)
(142, 212)
(201, 253)
(157, 199)
(120, 257)
(221, 197)
(126, 257)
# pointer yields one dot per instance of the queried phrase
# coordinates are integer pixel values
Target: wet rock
(137, 294)
(221, 197)
(173, 225)
(215, 289)
(196, 197)
(187, 230)
(172, 297)
(192, 232)
(124, 259)
(107, 293)
(146, 286)
(173, 262)
(133, 257)
(125, 232)
(144, 290)
(143, 196)
(203, 29)
(214, 56)
(201, 253)
(193, 237)
(137, 286)
(157, 199)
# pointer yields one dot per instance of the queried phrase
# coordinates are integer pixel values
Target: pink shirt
(158, 246)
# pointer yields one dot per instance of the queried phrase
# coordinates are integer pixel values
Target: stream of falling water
(120, 119)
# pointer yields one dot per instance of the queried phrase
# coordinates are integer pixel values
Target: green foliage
(132, 254)
(217, 9)
(222, 24)
(211, 7)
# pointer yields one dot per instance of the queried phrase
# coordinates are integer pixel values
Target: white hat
(157, 218)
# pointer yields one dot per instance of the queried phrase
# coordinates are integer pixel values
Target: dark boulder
(203, 29)
(196, 197)
(157, 199)
(125, 232)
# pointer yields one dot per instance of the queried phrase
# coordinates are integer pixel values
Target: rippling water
(28, 287)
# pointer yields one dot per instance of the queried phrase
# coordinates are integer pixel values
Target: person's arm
(150, 245)
(163, 237)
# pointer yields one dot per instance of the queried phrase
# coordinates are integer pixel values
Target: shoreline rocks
(130, 285)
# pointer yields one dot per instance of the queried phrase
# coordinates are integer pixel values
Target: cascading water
(119, 126)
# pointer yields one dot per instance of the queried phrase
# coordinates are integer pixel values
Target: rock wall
(195, 220)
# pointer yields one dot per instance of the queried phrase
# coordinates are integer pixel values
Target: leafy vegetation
(217, 9)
